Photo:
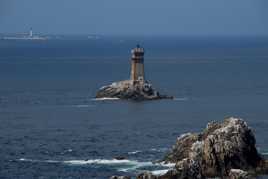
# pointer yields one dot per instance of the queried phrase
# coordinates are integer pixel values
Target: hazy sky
(136, 17)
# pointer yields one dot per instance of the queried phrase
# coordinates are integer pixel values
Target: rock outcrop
(225, 150)
(130, 90)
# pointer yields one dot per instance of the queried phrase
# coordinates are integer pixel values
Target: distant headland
(29, 36)
(136, 88)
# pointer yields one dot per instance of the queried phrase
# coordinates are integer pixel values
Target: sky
(136, 17)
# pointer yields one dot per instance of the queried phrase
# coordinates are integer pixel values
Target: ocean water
(52, 128)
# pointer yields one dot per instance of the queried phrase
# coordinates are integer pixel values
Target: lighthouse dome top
(138, 49)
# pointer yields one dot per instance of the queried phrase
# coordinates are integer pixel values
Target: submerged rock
(225, 150)
(120, 158)
(129, 89)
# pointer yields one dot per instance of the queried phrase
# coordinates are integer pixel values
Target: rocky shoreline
(130, 90)
(222, 150)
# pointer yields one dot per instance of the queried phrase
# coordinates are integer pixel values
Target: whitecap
(169, 165)
(97, 161)
(135, 165)
(120, 165)
(159, 172)
(134, 152)
(142, 165)
(159, 149)
(104, 99)
(38, 161)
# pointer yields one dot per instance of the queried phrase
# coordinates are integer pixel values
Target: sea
(52, 127)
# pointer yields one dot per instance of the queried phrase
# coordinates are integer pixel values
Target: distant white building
(30, 36)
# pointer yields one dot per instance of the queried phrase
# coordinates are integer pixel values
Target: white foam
(97, 161)
(135, 165)
(169, 165)
(38, 161)
(183, 135)
(22, 159)
(104, 99)
(120, 165)
(159, 172)
(159, 150)
(134, 152)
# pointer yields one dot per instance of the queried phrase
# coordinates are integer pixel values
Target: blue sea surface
(51, 127)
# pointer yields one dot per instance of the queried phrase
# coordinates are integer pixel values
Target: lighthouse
(136, 88)
(137, 65)
(31, 33)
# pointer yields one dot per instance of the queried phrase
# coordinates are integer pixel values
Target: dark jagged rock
(171, 174)
(130, 90)
(146, 175)
(120, 158)
(225, 150)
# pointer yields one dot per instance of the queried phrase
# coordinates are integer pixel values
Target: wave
(38, 161)
(104, 99)
(159, 149)
(120, 165)
(134, 152)
(98, 161)
(152, 150)
(124, 165)
(159, 172)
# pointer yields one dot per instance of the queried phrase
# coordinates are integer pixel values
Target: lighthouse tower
(31, 33)
(137, 65)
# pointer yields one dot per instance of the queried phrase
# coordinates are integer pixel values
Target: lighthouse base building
(136, 88)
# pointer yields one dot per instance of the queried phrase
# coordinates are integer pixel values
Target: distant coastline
(25, 38)
(29, 36)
